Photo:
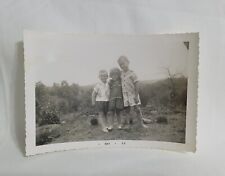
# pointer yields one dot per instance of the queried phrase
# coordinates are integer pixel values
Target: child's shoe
(120, 127)
(105, 130)
(110, 128)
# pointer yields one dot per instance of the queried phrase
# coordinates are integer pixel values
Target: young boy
(116, 97)
(130, 89)
(100, 98)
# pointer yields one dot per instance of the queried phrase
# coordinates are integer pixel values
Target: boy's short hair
(103, 72)
(123, 58)
(114, 71)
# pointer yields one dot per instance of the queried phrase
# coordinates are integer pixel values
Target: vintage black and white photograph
(127, 88)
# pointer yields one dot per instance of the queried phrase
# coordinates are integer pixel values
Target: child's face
(115, 77)
(103, 77)
(124, 65)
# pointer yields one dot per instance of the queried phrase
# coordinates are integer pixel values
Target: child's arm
(94, 94)
(93, 97)
(137, 88)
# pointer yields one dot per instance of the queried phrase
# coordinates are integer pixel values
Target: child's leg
(131, 115)
(112, 108)
(110, 120)
(125, 115)
(124, 119)
(102, 121)
(119, 121)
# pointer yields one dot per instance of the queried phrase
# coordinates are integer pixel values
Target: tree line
(62, 98)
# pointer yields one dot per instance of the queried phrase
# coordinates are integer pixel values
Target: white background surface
(133, 17)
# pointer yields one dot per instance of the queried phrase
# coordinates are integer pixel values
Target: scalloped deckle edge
(192, 99)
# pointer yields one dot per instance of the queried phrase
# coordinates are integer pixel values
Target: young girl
(100, 98)
(130, 89)
(115, 97)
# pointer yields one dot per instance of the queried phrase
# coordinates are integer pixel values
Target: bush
(46, 110)
(46, 114)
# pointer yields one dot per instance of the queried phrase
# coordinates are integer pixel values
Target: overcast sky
(78, 58)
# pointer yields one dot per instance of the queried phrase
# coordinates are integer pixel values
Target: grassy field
(77, 127)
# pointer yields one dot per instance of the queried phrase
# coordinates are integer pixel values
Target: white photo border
(191, 114)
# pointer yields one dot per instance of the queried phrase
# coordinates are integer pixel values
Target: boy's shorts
(102, 106)
(116, 104)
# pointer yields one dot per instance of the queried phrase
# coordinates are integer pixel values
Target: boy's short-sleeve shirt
(129, 79)
(102, 91)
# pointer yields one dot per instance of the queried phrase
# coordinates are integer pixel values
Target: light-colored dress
(129, 79)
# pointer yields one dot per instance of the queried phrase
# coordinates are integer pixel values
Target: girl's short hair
(122, 59)
(114, 71)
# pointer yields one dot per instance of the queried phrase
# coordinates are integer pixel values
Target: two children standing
(117, 93)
